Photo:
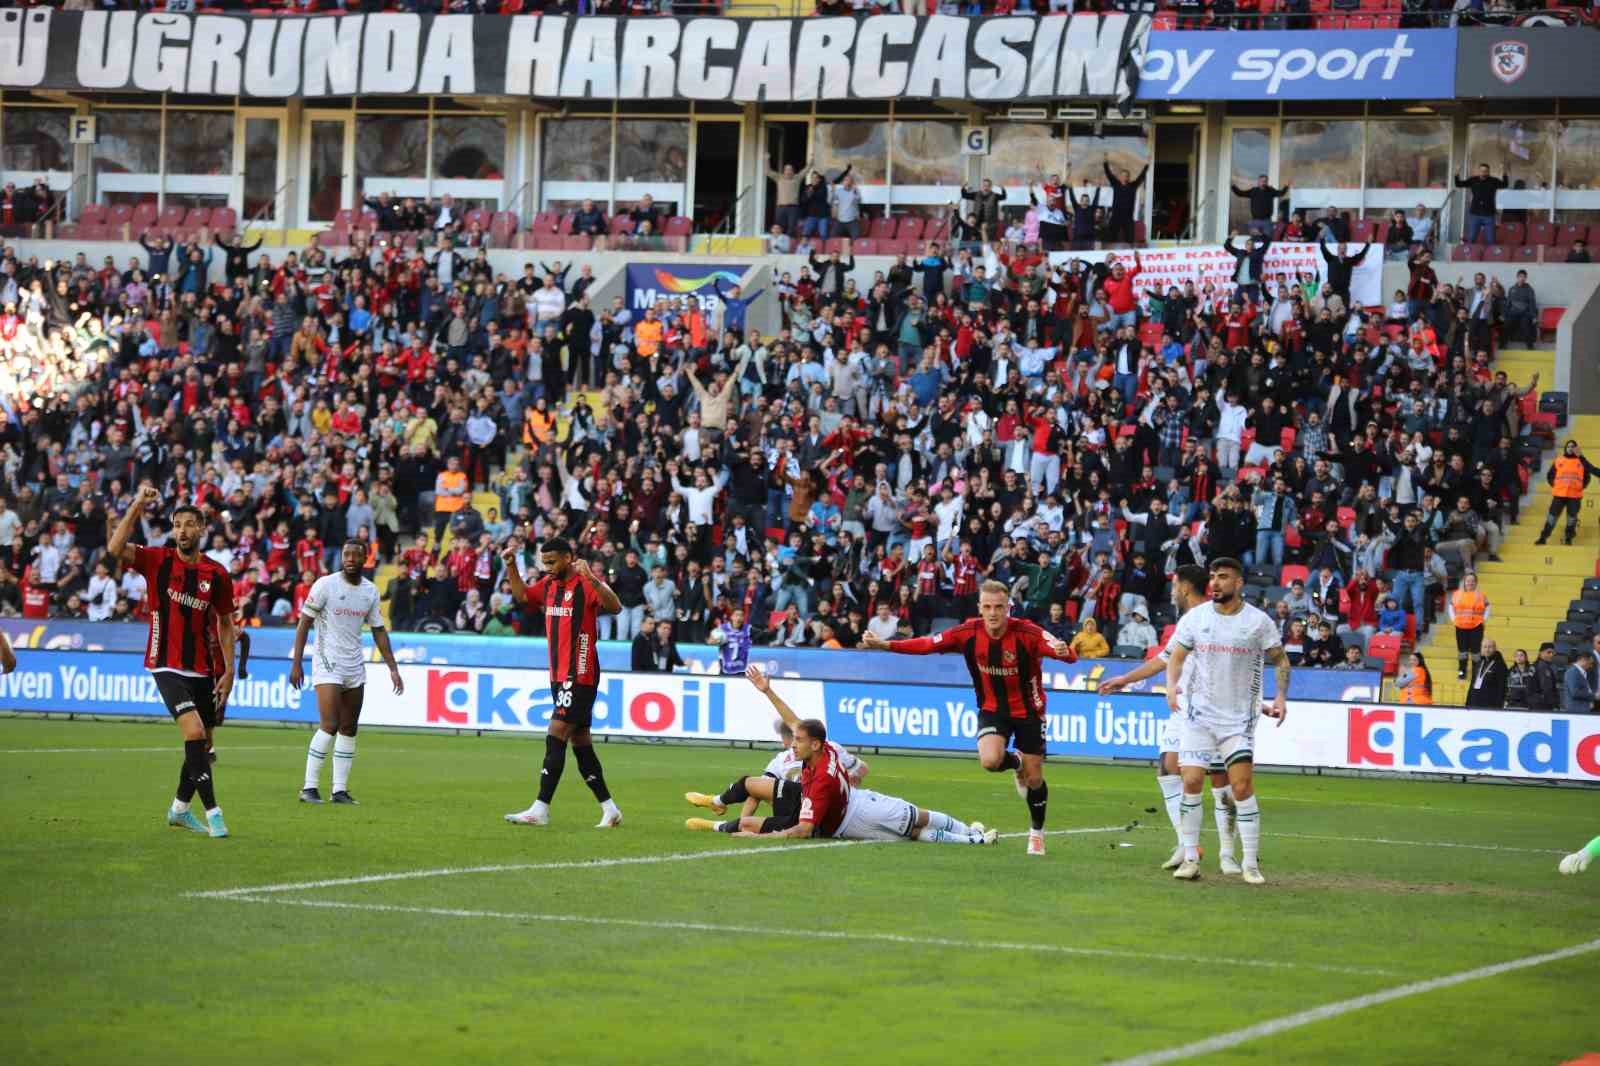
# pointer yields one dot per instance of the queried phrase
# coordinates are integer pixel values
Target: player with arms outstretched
(1003, 655)
(189, 594)
(1189, 588)
(830, 807)
(778, 785)
(1229, 641)
(572, 598)
(339, 605)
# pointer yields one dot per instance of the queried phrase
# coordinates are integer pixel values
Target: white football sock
(941, 821)
(1191, 813)
(945, 836)
(1223, 817)
(344, 753)
(1249, 828)
(608, 806)
(179, 806)
(1172, 796)
(316, 755)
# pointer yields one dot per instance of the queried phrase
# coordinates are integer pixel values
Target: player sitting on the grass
(1188, 589)
(338, 605)
(829, 807)
(1579, 860)
(778, 785)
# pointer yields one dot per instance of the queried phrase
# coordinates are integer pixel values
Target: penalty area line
(824, 934)
(1225, 1041)
(577, 864)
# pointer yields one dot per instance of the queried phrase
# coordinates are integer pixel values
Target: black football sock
(734, 793)
(593, 776)
(1037, 797)
(730, 826)
(199, 766)
(185, 791)
(555, 760)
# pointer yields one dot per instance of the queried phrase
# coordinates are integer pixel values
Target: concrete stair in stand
(1529, 589)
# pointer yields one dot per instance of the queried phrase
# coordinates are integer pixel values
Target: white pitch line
(825, 934)
(1224, 1041)
(169, 749)
(584, 864)
(1418, 843)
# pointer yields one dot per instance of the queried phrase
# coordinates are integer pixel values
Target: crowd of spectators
(902, 437)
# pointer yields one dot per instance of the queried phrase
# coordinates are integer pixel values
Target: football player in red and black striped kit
(1003, 655)
(189, 596)
(572, 599)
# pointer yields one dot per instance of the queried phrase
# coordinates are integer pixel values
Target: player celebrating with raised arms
(777, 785)
(188, 595)
(830, 807)
(571, 598)
(1229, 641)
(339, 605)
(1003, 655)
(1189, 585)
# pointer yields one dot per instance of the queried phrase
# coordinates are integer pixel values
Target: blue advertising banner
(649, 282)
(812, 663)
(868, 714)
(1300, 65)
(117, 683)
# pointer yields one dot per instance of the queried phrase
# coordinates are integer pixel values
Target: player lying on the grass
(1188, 589)
(778, 785)
(829, 807)
(1003, 655)
(1229, 641)
(338, 605)
(189, 594)
(1579, 860)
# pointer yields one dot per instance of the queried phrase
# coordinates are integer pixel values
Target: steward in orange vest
(1568, 477)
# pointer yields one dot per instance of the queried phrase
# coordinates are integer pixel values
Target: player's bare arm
(1176, 655)
(225, 638)
(118, 547)
(1279, 707)
(8, 655)
(609, 603)
(297, 671)
(873, 642)
(763, 685)
(380, 637)
(519, 591)
(1144, 671)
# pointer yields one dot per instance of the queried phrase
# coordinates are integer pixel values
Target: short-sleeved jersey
(339, 610)
(785, 767)
(1005, 669)
(1165, 655)
(1229, 656)
(571, 612)
(185, 601)
(825, 793)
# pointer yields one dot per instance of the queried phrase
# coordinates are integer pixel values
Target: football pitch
(1403, 922)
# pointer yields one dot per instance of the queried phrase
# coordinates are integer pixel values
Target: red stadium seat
(569, 221)
(1572, 231)
(1509, 233)
(145, 215)
(1525, 253)
(866, 246)
(224, 219)
(172, 217)
(1291, 572)
(620, 224)
(197, 217)
(678, 226)
(1541, 233)
(1466, 253)
(478, 215)
(577, 242)
(1150, 333)
(910, 228)
(882, 229)
(1286, 439)
(1363, 230)
(937, 230)
(95, 214)
(1497, 253)
(1291, 537)
(1550, 319)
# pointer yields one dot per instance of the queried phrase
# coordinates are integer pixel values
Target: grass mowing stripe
(824, 934)
(1224, 1041)
(579, 864)
(1417, 843)
(168, 749)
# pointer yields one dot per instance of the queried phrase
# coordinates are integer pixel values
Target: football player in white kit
(339, 605)
(867, 815)
(1229, 641)
(1189, 585)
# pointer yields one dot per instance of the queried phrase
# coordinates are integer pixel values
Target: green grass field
(705, 950)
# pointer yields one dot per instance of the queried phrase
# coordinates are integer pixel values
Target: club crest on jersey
(205, 586)
(567, 596)
(1009, 656)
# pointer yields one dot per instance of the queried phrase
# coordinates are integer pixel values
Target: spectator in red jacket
(1363, 615)
(1120, 293)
